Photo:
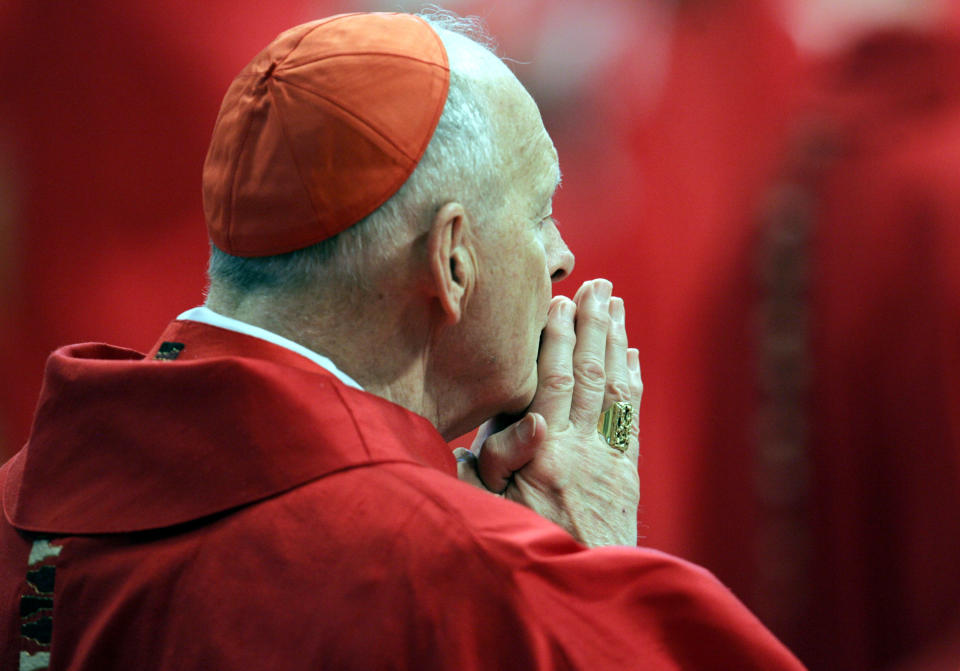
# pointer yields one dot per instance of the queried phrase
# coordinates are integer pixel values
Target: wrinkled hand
(552, 459)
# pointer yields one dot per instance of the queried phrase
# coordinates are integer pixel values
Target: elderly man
(270, 488)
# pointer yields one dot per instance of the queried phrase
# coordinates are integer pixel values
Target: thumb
(509, 450)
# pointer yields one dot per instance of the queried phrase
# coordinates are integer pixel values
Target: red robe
(239, 507)
(883, 409)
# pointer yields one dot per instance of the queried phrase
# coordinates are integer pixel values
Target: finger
(467, 467)
(510, 450)
(586, 286)
(636, 394)
(493, 425)
(636, 379)
(485, 431)
(618, 378)
(555, 365)
(589, 354)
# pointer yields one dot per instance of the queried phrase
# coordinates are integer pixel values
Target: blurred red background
(771, 186)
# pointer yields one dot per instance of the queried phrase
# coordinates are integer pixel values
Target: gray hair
(460, 163)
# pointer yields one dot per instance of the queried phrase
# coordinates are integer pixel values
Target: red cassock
(884, 401)
(239, 507)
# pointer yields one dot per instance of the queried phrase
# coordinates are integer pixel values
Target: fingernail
(602, 292)
(617, 312)
(526, 428)
(566, 309)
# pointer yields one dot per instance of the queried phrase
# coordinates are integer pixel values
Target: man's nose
(560, 257)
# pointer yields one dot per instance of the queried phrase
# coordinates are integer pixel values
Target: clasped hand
(552, 459)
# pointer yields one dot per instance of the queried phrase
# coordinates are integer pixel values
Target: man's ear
(451, 259)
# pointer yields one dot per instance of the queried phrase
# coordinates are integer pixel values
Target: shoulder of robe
(531, 592)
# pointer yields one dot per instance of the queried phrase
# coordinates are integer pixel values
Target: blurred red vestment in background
(884, 395)
(838, 519)
(104, 123)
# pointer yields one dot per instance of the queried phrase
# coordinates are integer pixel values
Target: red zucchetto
(320, 129)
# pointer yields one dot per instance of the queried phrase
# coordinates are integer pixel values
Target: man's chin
(514, 408)
(521, 403)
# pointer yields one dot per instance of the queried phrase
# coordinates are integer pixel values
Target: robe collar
(208, 420)
(205, 315)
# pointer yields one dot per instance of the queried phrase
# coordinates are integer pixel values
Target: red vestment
(239, 507)
(883, 408)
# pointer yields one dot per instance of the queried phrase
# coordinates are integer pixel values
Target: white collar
(205, 315)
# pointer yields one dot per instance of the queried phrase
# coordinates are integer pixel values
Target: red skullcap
(320, 129)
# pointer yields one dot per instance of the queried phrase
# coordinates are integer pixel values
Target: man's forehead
(540, 156)
(532, 151)
(556, 175)
(551, 177)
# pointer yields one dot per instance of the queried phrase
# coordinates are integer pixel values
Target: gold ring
(614, 425)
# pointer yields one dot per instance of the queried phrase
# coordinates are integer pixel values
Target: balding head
(437, 299)
(461, 162)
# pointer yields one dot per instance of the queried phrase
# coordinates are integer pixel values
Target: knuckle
(596, 319)
(561, 334)
(557, 382)
(618, 389)
(618, 337)
(590, 371)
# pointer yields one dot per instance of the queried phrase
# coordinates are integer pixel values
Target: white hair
(460, 164)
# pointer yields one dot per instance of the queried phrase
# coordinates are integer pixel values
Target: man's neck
(387, 356)
(207, 316)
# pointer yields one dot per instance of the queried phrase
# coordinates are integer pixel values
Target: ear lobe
(451, 260)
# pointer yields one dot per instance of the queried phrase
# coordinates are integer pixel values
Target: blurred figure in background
(799, 199)
(103, 127)
(860, 345)
(799, 211)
